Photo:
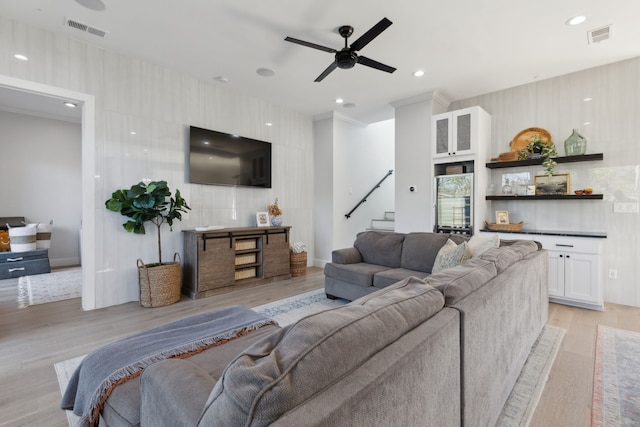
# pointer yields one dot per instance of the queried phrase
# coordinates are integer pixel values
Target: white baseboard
(64, 262)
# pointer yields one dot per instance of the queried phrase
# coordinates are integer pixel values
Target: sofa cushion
(451, 255)
(419, 250)
(359, 274)
(393, 275)
(480, 243)
(458, 282)
(292, 365)
(505, 256)
(381, 248)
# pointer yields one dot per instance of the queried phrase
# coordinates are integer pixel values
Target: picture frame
(556, 184)
(262, 219)
(502, 217)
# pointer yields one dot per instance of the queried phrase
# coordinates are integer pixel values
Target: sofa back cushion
(381, 248)
(458, 282)
(292, 365)
(505, 256)
(419, 250)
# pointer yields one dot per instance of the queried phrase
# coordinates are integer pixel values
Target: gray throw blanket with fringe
(113, 364)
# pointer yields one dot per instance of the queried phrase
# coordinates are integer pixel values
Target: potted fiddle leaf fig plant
(159, 282)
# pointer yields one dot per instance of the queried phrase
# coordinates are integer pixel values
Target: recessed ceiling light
(587, 123)
(268, 124)
(221, 79)
(92, 4)
(418, 73)
(576, 20)
(349, 105)
(265, 72)
(206, 142)
(587, 99)
(21, 57)
(133, 132)
(339, 100)
(70, 104)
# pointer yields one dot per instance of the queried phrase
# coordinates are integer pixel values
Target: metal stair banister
(364, 199)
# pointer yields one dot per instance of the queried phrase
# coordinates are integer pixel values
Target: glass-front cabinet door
(454, 133)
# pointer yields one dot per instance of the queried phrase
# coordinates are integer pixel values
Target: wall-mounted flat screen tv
(225, 159)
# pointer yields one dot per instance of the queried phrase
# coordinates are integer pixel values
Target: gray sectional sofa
(441, 350)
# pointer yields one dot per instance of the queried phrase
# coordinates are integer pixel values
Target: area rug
(616, 378)
(49, 287)
(526, 393)
(517, 411)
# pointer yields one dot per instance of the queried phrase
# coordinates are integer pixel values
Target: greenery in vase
(537, 144)
(142, 203)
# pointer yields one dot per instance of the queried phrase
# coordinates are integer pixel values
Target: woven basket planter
(298, 264)
(160, 284)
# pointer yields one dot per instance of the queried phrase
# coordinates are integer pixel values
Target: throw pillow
(451, 255)
(479, 243)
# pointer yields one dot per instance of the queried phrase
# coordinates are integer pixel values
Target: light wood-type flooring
(34, 338)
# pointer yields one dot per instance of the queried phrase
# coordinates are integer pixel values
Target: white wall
(159, 103)
(558, 105)
(353, 158)
(323, 189)
(41, 178)
(414, 210)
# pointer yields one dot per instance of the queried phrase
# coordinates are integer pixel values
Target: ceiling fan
(347, 57)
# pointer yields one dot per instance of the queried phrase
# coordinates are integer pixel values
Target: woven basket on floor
(298, 264)
(160, 284)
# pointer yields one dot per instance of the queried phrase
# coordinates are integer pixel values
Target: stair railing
(364, 199)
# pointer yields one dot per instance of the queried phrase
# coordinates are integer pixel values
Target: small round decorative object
(588, 190)
(276, 221)
(579, 192)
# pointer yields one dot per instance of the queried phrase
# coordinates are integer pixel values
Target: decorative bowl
(579, 192)
(588, 190)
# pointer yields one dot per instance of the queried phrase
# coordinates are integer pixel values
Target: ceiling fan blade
(311, 45)
(375, 64)
(326, 72)
(371, 34)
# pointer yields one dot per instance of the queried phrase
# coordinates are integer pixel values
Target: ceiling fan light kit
(347, 57)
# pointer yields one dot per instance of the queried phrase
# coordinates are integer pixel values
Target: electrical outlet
(613, 274)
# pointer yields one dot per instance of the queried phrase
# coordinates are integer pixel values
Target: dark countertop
(597, 235)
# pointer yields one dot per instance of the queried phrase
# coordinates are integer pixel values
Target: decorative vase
(575, 145)
(276, 221)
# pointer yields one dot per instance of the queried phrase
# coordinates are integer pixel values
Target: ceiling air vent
(600, 34)
(84, 27)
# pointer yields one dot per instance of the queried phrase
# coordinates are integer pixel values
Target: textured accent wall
(608, 99)
(158, 104)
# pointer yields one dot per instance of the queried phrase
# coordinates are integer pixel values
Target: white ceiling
(465, 47)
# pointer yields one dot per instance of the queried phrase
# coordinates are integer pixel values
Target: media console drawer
(18, 264)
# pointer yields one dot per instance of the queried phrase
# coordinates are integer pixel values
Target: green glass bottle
(575, 144)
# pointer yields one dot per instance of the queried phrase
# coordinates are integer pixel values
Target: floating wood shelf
(534, 162)
(548, 197)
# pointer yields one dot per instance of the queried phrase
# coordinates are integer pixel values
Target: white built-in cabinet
(463, 138)
(456, 133)
(574, 268)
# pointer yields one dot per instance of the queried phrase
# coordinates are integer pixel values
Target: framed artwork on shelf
(262, 219)
(502, 217)
(556, 184)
